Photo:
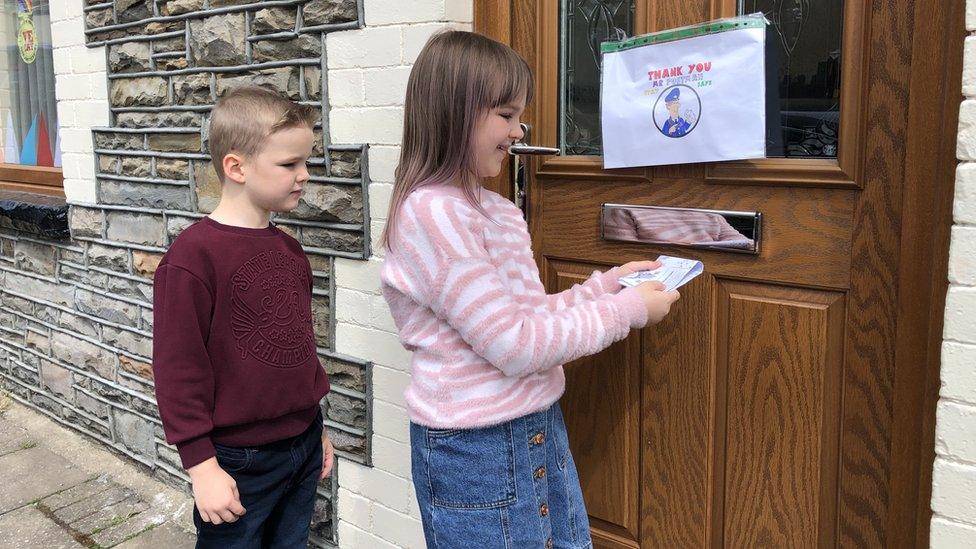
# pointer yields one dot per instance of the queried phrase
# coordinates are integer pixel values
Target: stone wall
(76, 315)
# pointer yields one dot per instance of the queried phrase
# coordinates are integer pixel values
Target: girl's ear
(233, 165)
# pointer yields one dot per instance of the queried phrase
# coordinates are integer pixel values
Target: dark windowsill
(37, 214)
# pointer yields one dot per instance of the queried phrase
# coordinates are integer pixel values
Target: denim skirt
(507, 486)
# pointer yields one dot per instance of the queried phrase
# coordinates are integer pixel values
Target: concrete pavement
(59, 489)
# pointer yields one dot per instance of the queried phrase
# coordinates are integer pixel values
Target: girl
(490, 456)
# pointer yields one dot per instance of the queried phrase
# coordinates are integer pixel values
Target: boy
(238, 380)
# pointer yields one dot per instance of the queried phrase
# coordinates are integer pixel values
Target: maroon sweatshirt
(234, 354)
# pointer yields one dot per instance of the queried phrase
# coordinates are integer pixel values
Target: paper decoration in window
(26, 35)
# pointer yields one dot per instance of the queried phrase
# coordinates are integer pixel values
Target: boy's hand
(634, 266)
(215, 493)
(657, 301)
(328, 456)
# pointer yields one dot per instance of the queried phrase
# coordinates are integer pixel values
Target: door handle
(521, 147)
(520, 180)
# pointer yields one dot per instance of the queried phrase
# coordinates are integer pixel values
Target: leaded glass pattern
(584, 24)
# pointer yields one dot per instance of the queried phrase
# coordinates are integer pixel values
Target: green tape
(756, 20)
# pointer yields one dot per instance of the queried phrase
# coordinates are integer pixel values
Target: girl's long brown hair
(458, 77)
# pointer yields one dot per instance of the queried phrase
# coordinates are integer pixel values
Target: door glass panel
(584, 24)
(803, 50)
(803, 72)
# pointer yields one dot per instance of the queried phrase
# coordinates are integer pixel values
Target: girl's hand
(328, 456)
(215, 493)
(634, 266)
(657, 301)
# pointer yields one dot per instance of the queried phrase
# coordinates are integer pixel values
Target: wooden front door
(787, 401)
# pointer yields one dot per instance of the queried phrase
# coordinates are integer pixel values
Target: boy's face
(493, 135)
(275, 176)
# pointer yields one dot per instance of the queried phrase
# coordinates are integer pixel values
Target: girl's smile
(493, 135)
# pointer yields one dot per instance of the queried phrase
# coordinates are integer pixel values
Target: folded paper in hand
(675, 272)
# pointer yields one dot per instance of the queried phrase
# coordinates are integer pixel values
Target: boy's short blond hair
(243, 118)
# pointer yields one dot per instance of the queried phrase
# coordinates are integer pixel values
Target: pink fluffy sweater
(488, 343)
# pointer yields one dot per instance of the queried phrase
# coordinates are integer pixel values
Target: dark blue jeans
(277, 484)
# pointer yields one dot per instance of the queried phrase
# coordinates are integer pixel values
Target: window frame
(33, 179)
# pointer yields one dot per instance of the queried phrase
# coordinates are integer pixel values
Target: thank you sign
(695, 94)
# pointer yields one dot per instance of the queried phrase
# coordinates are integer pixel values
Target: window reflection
(803, 65)
(731, 231)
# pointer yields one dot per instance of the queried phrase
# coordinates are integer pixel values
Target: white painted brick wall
(949, 533)
(954, 474)
(81, 88)
(368, 71)
(346, 87)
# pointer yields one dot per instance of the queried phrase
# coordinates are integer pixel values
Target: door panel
(677, 359)
(779, 366)
(603, 411)
(761, 411)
